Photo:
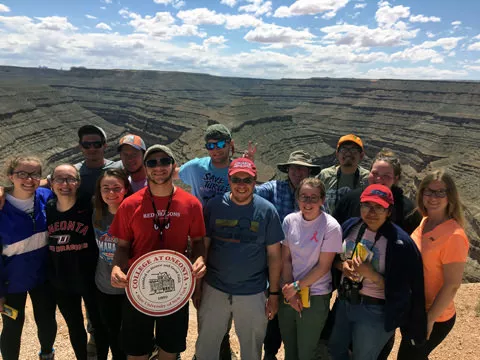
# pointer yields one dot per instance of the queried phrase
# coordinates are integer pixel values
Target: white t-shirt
(306, 240)
(23, 205)
(378, 261)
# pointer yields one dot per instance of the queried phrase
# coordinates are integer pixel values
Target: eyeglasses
(219, 145)
(246, 181)
(385, 177)
(435, 193)
(68, 180)
(309, 199)
(89, 144)
(159, 162)
(377, 209)
(25, 175)
(352, 150)
(116, 190)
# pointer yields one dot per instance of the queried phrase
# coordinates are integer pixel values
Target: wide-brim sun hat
(300, 158)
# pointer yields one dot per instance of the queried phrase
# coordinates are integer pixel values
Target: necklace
(164, 223)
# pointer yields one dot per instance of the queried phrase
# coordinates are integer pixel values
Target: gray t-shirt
(237, 257)
(107, 245)
(89, 176)
(338, 185)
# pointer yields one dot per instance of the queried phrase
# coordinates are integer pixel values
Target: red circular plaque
(160, 282)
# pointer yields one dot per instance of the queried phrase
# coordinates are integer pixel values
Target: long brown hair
(101, 208)
(454, 207)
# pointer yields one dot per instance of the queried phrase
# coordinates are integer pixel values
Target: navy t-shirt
(240, 234)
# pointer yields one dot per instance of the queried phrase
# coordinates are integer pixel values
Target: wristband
(296, 286)
(277, 293)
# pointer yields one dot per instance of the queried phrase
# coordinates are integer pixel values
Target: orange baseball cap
(132, 140)
(350, 138)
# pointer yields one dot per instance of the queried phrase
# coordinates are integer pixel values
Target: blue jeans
(361, 325)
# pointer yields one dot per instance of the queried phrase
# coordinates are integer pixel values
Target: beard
(163, 181)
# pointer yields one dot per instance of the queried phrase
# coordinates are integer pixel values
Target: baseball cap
(217, 132)
(159, 148)
(92, 129)
(132, 140)
(378, 194)
(242, 165)
(350, 138)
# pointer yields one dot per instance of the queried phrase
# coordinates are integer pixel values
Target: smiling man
(132, 149)
(243, 237)
(348, 175)
(160, 216)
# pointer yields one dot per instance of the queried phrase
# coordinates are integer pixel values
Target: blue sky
(409, 39)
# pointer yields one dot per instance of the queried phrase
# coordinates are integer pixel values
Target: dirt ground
(463, 343)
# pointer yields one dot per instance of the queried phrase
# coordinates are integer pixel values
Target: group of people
(265, 257)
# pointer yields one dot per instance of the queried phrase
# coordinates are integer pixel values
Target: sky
(403, 39)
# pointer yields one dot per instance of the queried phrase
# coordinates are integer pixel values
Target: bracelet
(277, 293)
(296, 286)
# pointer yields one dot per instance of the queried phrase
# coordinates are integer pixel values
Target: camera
(351, 290)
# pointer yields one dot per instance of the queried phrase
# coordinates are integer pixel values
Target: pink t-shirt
(306, 240)
(378, 261)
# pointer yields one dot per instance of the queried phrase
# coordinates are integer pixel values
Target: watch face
(160, 282)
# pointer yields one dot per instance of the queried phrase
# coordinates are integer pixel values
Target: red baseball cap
(242, 165)
(378, 194)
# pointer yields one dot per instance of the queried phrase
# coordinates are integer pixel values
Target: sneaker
(50, 356)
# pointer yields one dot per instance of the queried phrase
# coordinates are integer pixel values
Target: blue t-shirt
(206, 180)
(240, 234)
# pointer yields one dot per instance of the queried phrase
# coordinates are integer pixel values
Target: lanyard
(361, 231)
(165, 221)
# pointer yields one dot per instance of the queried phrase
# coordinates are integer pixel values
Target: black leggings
(44, 307)
(70, 305)
(110, 308)
(439, 333)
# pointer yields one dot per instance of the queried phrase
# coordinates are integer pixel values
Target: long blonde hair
(455, 207)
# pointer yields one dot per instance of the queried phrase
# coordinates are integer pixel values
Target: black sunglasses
(89, 144)
(247, 180)
(159, 162)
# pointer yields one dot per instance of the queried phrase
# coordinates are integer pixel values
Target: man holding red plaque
(160, 216)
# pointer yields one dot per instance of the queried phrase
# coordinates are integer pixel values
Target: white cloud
(329, 15)
(230, 3)
(362, 36)
(447, 44)
(310, 7)
(472, 67)
(213, 41)
(88, 16)
(474, 46)
(386, 15)
(124, 13)
(477, 37)
(107, 1)
(271, 34)
(421, 72)
(55, 23)
(258, 7)
(201, 16)
(424, 19)
(360, 6)
(241, 21)
(103, 7)
(4, 8)
(430, 34)
(162, 25)
(175, 3)
(456, 23)
(416, 54)
(103, 26)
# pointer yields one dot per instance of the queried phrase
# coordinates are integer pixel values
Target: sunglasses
(247, 180)
(159, 162)
(68, 180)
(25, 175)
(89, 144)
(435, 193)
(219, 145)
